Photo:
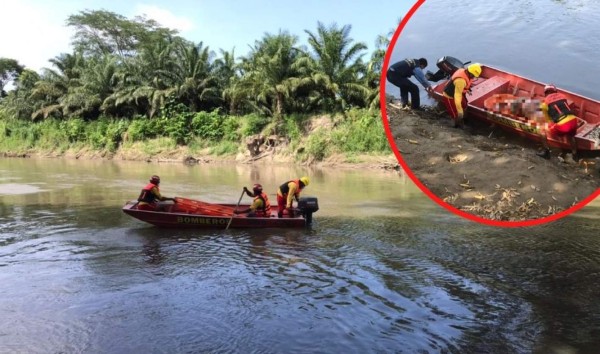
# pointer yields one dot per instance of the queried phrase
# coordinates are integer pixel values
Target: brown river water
(383, 269)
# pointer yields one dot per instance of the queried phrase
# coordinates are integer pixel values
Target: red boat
(512, 103)
(190, 213)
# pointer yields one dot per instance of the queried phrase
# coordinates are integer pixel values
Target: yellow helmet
(475, 69)
(305, 180)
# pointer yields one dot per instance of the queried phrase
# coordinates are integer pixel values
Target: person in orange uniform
(563, 122)
(286, 194)
(260, 205)
(455, 92)
(150, 196)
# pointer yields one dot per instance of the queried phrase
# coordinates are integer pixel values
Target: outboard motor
(308, 206)
(447, 66)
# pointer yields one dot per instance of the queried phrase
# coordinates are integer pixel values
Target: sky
(34, 31)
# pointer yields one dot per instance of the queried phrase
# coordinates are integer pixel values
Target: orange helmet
(257, 188)
(155, 179)
(550, 89)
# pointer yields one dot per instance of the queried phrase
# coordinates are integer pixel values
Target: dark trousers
(406, 86)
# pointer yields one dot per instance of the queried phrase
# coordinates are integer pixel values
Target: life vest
(146, 194)
(285, 189)
(405, 67)
(462, 74)
(558, 107)
(265, 211)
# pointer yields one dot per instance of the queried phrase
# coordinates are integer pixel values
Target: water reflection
(383, 269)
(547, 40)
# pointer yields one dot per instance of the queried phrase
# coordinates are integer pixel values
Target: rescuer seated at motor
(260, 205)
(150, 196)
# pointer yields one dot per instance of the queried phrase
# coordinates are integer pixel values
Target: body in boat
(191, 213)
(512, 102)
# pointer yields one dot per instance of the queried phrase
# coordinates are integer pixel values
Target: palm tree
(272, 72)
(18, 103)
(228, 74)
(336, 65)
(375, 66)
(100, 77)
(194, 78)
(54, 85)
(146, 84)
(373, 70)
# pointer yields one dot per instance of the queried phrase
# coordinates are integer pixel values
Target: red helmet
(550, 89)
(155, 179)
(257, 188)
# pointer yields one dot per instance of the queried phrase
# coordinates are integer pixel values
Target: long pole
(238, 204)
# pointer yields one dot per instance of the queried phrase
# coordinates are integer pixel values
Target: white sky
(34, 31)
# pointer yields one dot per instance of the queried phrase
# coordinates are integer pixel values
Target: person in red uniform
(563, 122)
(260, 205)
(286, 194)
(150, 196)
(454, 97)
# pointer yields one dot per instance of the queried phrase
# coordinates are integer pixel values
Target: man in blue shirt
(399, 73)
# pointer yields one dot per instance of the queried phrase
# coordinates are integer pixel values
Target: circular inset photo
(492, 111)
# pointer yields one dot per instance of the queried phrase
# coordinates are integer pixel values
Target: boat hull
(188, 213)
(484, 103)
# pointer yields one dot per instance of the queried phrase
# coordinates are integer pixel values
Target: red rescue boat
(512, 102)
(190, 213)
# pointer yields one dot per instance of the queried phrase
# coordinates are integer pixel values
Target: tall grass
(356, 132)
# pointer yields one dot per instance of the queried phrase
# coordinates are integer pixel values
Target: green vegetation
(132, 81)
(359, 131)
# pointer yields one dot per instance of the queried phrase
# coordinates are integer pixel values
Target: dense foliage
(133, 78)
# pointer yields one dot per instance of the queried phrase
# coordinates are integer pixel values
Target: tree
(54, 85)
(193, 76)
(101, 32)
(272, 73)
(17, 103)
(10, 69)
(228, 74)
(374, 68)
(336, 64)
(145, 85)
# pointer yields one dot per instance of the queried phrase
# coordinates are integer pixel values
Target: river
(553, 41)
(383, 269)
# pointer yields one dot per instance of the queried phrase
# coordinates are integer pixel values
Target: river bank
(355, 139)
(183, 155)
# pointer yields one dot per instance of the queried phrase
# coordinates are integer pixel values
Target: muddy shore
(183, 155)
(486, 171)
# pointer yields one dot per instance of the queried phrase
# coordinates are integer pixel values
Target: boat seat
(485, 89)
(590, 116)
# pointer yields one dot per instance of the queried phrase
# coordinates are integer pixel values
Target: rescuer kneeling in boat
(260, 206)
(398, 75)
(150, 196)
(455, 92)
(286, 194)
(562, 120)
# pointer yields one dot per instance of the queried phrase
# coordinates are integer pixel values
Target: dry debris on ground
(485, 171)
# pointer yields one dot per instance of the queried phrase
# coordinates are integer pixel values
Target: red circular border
(405, 167)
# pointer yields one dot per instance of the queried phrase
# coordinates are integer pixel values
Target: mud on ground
(485, 171)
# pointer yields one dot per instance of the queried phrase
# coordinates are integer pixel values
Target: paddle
(238, 204)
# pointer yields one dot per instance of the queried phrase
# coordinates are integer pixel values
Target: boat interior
(519, 98)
